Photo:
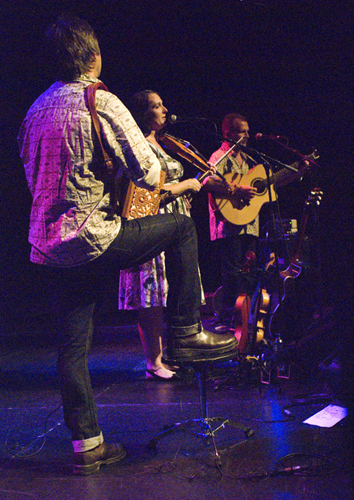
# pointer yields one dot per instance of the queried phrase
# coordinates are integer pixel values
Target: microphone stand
(265, 160)
(261, 157)
(301, 156)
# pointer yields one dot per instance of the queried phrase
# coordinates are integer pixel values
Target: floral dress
(146, 285)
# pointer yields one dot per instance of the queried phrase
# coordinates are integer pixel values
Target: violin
(181, 148)
(259, 307)
(262, 301)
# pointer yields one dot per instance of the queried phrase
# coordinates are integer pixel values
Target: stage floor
(283, 459)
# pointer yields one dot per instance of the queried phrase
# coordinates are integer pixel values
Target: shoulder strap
(111, 170)
(91, 101)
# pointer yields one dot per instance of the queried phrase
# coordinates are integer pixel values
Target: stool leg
(202, 391)
(205, 422)
(203, 403)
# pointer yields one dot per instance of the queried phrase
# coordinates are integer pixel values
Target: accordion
(139, 202)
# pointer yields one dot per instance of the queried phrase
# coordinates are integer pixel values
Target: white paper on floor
(327, 417)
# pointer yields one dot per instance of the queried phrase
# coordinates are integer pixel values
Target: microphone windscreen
(172, 119)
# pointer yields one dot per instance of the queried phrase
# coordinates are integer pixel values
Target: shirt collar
(87, 78)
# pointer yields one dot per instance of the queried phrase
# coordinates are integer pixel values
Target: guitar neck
(313, 200)
(283, 174)
(286, 175)
(279, 176)
(296, 253)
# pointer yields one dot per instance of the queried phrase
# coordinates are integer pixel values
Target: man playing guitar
(233, 241)
(234, 206)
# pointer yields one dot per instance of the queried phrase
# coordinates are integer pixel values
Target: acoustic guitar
(240, 213)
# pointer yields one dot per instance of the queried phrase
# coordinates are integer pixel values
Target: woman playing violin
(145, 288)
(155, 118)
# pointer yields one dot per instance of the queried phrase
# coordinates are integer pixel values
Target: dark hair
(139, 107)
(73, 45)
(228, 123)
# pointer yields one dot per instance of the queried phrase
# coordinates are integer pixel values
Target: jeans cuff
(87, 444)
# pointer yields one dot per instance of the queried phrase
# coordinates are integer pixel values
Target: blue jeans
(77, 290)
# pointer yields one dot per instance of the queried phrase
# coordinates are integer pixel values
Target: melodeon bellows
(140, 202)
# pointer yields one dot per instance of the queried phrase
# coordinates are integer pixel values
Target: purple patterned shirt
(70, 222)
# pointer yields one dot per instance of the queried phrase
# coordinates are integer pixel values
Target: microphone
(172, 119)
(269, 137)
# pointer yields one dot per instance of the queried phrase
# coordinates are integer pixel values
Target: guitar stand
(278, 362)
(280, 374)
(205, 425)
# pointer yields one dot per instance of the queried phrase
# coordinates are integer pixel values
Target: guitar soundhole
(259, 185)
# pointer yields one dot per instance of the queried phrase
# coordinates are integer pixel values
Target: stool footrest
(205, 424)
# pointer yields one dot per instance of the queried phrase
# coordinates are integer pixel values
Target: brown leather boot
(193, 343)
(88, 462)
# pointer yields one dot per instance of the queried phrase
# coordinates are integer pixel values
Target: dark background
(286, 65)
